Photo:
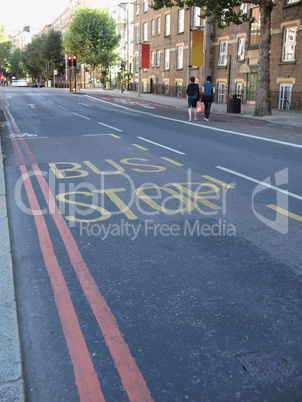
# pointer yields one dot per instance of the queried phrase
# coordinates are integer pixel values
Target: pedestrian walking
(208, 89)
(193, 96)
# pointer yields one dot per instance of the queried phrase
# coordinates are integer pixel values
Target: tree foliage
(92, 37)
(228, 10)
(17, 67)
(5, 46)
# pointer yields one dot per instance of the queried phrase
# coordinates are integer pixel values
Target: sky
(16, 14)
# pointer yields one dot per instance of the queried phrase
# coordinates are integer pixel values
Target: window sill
(297, 3)
(285, 63)
(225, 66)
(179, 68)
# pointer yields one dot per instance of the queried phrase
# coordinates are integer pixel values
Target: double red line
(86, 377)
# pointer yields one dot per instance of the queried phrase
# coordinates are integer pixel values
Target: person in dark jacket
(193, 96)
(208, 89)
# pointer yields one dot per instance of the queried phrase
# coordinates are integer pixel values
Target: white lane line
(80, 115)
(299, 197)
(50, 101)
(162, 146)
(203, 126)
(85, 104)
(106, 125)
(61, 107)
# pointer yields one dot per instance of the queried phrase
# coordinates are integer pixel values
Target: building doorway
(251, 87)
(151, 85)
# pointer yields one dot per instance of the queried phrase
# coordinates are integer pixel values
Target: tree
(5, 46)
(17, 64)
(53, 51)
(228, 10)
(33, 58)
(92, 37)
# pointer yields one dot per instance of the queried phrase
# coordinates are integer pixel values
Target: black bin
(234, 104)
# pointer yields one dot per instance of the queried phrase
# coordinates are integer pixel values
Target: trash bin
(234, 104)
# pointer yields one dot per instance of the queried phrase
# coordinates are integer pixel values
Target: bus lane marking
(95, 135)
(285, 212)
(140, 147)
(80, 115)
(222, 183)
(171, 161)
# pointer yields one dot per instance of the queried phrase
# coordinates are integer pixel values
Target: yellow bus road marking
(222, 183)
(285, 212)
(139, 146)
(92, 135)
(172, 161)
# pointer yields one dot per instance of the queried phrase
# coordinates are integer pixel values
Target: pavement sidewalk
(282, 117)
(11, 377)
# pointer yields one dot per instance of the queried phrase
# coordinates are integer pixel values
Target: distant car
(15, 83)
(42, 84)
(22, 83)
(34, 85)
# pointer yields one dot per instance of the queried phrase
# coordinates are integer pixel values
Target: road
(154, 258)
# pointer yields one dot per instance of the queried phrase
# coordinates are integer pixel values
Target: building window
(158, 25)
(285, 96)
(166, 88)
(145, 86)
(137, 34)
(196, 18)
(145, 32)
(157, 58)
(145, 6)
(179, 90)
(152, 58)
(167, 25)
(223, 52)
(152, 27)
(137, 8)
(291, 1)
(243, 8)
(255, 27)
(221, 89)
(222, 20)
(179, 61)
(181, 21)
(136, 62)
(240, 49)
(289, 44)
(239, 88)
(167, 59)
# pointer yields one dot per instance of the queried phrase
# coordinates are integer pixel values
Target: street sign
(55, 72)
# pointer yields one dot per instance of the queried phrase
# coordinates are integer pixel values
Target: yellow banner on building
(197, 48)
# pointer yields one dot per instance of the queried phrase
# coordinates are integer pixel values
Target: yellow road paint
(172, 161)
(222, 183)
(285, 212)
(94, 135)
(197, 195)
(118, 201)
(140, 147)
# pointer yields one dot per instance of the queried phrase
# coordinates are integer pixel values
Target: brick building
(167, 32)
(235, 54)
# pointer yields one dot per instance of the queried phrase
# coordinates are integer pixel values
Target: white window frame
(145, 32)
(181, 21)
(145, 6)
(152, 58)
(179, 57)
(136, 33)
(152, 27)
(239, 88)
(196, 18)
(178, 89)
(158, 58)
(145, 86)
(221, 92)
(289, 44)
(240, 49)
(223, 53)
(167, 59)
(167, 24)
(158, 25)
(285, 96)
(243, 8)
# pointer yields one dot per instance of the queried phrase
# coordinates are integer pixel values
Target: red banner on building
(145, 55)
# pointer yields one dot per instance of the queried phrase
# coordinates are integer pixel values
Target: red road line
(130, 374)
(86, 377)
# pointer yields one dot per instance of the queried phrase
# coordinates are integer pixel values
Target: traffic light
(123, 65)
(74, 60)
(107, 64)
(69, 61)
(130, 67)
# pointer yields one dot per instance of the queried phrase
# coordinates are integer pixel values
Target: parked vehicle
(15, 83)
(42, 84)
(22, 83)
(33, 85)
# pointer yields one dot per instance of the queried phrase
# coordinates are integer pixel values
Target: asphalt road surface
(154, 258)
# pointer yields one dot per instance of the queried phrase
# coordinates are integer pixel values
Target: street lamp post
(137, 4)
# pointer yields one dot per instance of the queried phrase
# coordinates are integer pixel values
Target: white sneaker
(205, 119)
